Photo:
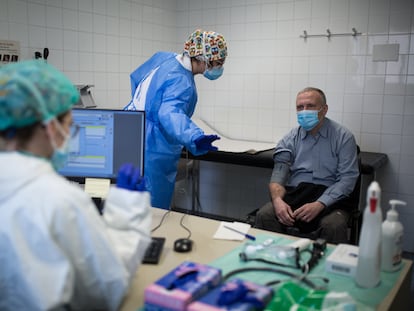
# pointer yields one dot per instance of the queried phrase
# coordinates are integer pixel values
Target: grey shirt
(329, 158)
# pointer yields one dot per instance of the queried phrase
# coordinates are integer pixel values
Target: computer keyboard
(154, 250)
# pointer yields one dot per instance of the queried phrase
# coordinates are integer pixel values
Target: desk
(206, 249)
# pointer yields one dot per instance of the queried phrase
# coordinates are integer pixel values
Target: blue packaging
(182, 285)
(235, 294)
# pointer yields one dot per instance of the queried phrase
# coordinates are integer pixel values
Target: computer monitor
(106, 140)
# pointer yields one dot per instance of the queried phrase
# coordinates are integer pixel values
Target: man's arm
(277, 191)
(347, 174)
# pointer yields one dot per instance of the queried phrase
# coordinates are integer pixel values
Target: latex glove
(204, 142)
(130, 178)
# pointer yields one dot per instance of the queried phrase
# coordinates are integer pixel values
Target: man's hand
(308, 211)
(283, 212)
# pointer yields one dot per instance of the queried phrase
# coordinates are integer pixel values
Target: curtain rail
(329, 34)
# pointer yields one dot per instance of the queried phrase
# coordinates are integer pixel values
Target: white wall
(269, 63)
(100, 42)
(93, 41)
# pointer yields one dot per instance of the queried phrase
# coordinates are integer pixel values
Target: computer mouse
(183, 245)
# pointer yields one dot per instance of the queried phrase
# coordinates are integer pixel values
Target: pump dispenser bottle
(369, 257)
(392, 233)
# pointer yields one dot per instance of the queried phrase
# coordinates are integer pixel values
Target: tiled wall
(269, 63)
(100, 42)
(95, 42)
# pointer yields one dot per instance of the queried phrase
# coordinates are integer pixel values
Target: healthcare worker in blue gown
(56, 251)
(164, 87)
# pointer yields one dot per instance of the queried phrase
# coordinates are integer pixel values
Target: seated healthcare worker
(315, 172)
(164, 87)
(57, 253)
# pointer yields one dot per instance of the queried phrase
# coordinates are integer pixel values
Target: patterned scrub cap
(210, 44)
(32, 91)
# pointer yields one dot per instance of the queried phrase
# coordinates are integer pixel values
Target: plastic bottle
(392, 233)
(369, 257)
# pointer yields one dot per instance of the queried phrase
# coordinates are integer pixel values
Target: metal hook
(329, 33)
(354, 31)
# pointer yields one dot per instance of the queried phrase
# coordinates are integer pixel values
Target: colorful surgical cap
(33, 91)
(210, 44)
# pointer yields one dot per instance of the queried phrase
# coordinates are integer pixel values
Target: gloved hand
(204, 142)
(129, 178)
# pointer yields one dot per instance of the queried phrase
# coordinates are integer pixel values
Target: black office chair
(355, 219)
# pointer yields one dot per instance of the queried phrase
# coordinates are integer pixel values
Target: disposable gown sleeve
(127, 215)
(105, 254)
(175, 112)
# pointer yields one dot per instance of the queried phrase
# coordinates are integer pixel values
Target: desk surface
(206, 249)
(370, 161)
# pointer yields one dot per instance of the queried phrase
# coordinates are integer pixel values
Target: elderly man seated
(315, 172)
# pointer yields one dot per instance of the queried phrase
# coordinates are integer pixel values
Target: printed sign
(9, 51)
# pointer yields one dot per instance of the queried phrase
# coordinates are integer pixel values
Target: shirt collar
(185, 61)
(323, 131)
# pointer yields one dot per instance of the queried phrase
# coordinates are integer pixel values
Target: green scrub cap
(33, 91)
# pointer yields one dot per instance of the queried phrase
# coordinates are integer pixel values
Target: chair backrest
(355, 195)
(356, 214)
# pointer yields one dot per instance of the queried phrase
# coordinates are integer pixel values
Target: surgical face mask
(60, 154)
(213, 73)
(308, 119)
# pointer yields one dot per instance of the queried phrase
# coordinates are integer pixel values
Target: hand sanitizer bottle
(392, 233)
(369, 257)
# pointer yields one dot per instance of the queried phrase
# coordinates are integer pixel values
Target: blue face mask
(214, 73)
(60, 156)
(308, 119)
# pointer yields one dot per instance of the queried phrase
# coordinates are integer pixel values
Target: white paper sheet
(233, 145)
(97, 187)
(223, 233)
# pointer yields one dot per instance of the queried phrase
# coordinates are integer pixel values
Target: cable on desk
(161, 221)
(302, 278)
(182, 225)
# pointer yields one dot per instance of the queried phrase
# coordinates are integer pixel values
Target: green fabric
(367, 299)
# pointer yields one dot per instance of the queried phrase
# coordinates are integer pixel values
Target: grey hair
(314, 89)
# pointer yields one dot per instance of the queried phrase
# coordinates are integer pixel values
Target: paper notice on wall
(9, 51)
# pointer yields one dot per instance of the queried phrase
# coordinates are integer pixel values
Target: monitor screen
(106, 140)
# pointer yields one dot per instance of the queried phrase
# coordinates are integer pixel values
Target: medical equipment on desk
(270, 252)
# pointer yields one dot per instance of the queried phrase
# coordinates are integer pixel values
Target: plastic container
(369, 257)
(392, 234)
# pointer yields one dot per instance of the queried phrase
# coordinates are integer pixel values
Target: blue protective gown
(171, 97)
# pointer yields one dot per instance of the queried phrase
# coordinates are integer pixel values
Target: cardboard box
(343, 260)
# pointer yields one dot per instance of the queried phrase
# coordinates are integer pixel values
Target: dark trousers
(331, 224)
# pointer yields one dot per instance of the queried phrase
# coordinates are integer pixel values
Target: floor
(411, 257)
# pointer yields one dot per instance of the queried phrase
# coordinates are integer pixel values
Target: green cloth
(367, 299)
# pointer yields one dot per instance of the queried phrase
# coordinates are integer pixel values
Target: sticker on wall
(9, 51)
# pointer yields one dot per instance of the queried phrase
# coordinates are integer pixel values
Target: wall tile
(18, 11)
(70, 19)
(37, 37)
